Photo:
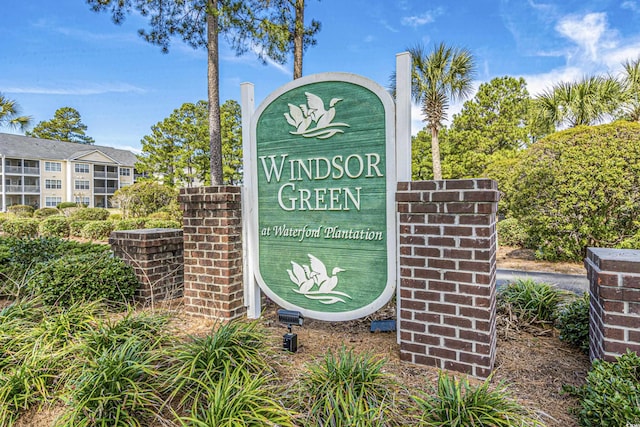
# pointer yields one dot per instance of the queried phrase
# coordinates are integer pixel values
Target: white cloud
(77, 89)
(630, 5)
(538, 83)
(427, 17)
(589, 32)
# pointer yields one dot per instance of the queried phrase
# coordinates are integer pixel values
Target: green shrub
(45, 212)
(143, 198)
(611, 395)
(22, 211)
(54, 226)
(129, 224)
(84, 278)
(64, 205)
(21, 227)
(75, 227)
(115, 217)
(347, 389)
(91, 214)
(454, 403)
(578, 188)
(162, 223)
(96, 230)
(573, 323)
(511, 233)
(530, 301)
(160, 215)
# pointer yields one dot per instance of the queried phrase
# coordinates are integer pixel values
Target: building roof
(26, 147)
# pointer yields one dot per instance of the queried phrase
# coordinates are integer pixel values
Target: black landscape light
(290, 318)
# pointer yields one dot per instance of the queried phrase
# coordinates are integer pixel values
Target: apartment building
(43, 173)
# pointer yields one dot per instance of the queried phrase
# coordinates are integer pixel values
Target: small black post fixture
(290, 318)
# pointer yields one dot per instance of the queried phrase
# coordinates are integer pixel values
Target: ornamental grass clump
(455, 403)
(531, 302)
(347, 389)
(195, 363)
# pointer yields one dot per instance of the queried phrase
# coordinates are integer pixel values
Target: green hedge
(54, 226)
(23, 211)
(21, 227)
(87, 277)
(90, 214)
(579, 188)
(97, 230)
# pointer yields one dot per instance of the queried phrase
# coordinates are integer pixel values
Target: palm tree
(586, 102)
(442, 76)
(10, 114)
(631, 82)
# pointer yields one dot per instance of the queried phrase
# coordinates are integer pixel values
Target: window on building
(52, 202)
(125, 172)
(83, 200)
(53, 184)
(81, 184)
(82, 168)
(53, 166)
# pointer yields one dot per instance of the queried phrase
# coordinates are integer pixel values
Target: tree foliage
(631, 84)
(579, 188)
(445, 74)
(143, 198)
(178, 147)
(10, 114)
(586, 102)
(66, 125)
(245, 24)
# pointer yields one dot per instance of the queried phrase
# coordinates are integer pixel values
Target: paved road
(570, 282)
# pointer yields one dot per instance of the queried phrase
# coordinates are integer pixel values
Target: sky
(56, 54)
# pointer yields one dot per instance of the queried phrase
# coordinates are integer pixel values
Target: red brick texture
(156, 257)
(614, 309)
(213, 284)
(447, 246)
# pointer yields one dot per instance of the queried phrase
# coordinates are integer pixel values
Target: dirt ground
(532, 364)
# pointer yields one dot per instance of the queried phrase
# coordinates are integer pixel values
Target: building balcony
(31, 170)
(13, 169)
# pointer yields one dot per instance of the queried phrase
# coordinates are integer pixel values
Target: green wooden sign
(323, 170)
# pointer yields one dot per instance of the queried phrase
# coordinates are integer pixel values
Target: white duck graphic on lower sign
(306, 277)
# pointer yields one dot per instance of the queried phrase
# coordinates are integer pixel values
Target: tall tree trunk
(435, 154)
(298, 39)
(215, 141)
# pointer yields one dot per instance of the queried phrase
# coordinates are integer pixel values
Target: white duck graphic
(301, 117)
(306, 278)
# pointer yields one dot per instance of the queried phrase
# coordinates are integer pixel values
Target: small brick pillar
(447, 284)
(213, 285)
(156, 257)
(614, 309)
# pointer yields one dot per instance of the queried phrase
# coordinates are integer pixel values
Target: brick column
(213, 251)
(614, 309)
(156, 257)
(448, 274)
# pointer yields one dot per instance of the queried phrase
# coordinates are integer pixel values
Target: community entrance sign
(322, 167)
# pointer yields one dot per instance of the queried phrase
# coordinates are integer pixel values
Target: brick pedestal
(614, 311)
(213, 251)
(448, 274)
(156, 257)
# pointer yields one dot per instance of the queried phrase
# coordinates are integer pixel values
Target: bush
(54, 226)
(115, 217)
(578, 188)
(96, 230)
(22, 211)
(530, 301)
(68, 205)
(84, 278)
(454, 403)
(75, 227)
(161, 223)
(573, 323)
(45, 212)
(611, 395)
(91, 214)
(129, 224)
(21, 227)
(160, 215)
(511, 233)
(143, 198)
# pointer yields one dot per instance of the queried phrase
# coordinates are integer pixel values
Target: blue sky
(57, 54)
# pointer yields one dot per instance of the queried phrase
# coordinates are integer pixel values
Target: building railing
(13, 188)
(31, 188)
(13, 169)
(32, 170)
(99, 190)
